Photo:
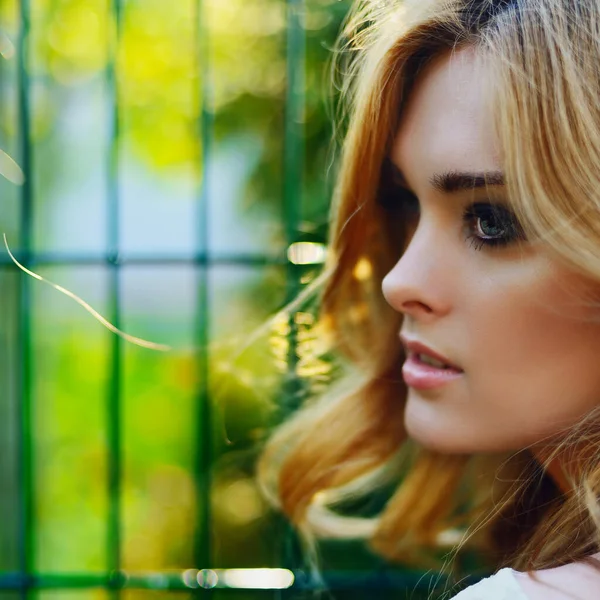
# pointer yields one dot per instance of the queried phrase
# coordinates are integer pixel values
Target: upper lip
(417, 347)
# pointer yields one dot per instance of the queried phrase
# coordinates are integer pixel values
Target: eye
(492, 225)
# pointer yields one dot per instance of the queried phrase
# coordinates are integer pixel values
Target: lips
(414, 348)
(426, 369)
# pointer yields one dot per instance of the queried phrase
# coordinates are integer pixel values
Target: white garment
(501, 586)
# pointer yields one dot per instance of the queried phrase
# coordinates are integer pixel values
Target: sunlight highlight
(257, 579)
(307, 253)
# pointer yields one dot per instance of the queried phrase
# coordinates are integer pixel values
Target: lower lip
(419, 375)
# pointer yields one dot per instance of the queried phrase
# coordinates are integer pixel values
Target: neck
(556, 470)
(564, 467)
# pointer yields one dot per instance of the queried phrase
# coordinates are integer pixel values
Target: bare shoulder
(577, 581)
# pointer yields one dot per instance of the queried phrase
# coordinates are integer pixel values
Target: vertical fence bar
(293, 154)
(27, 532)
(293, 163)
(294, 122)
(292, 171)
(202, 550)
(113, 403)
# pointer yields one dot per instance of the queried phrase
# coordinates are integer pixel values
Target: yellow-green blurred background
(205, 124)
(171, 163)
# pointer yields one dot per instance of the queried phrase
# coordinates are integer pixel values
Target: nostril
(402, 298)
(415, 305)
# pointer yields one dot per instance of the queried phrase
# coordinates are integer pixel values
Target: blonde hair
(544, 56)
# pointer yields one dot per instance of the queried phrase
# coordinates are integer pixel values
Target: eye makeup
(487, 224)
(492, 225)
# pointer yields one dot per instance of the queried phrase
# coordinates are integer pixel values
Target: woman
(462, 289)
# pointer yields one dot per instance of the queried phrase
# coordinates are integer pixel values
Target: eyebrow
(458, 181)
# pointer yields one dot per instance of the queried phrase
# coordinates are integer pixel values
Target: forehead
(447, 122)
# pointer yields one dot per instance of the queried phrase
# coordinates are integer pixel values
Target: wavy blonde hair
(545, 60)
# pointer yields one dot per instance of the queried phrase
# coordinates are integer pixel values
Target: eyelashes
(485, 224)
(492, 225)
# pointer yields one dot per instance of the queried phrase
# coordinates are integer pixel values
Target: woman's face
(497, 307)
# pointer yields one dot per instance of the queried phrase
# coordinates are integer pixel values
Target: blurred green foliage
(186, 73)
(169, 57)
(161, 81)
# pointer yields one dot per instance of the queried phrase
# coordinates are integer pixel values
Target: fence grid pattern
(27, 582)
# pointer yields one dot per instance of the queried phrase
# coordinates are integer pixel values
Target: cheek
(536, 350)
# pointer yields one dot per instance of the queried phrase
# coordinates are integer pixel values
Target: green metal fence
(128, 473)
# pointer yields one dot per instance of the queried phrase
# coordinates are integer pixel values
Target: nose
(420, 283)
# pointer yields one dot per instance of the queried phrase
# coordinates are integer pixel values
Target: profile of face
(501, 310)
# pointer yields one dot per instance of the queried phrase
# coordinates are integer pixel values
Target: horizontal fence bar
(98, 258)
(193, 579)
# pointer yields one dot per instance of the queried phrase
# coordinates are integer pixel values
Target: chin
(440, 438)
(423, 426)
(441, 430)
(441, 446)
(429, 439)
(444, 440)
